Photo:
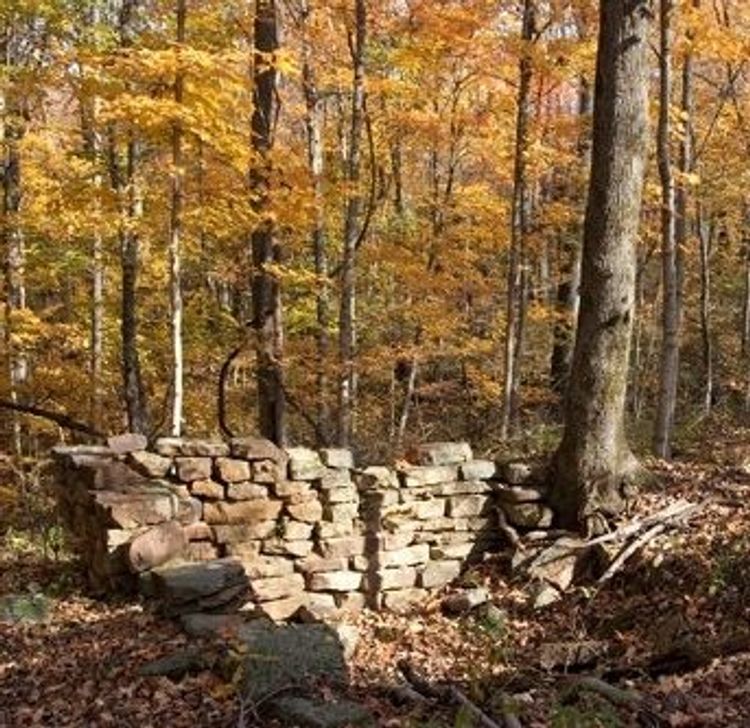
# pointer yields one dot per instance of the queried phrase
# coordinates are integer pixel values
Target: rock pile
(285, 532)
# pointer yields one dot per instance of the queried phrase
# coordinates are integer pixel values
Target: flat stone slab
(291, 656)
(204, 583)
(306, 713)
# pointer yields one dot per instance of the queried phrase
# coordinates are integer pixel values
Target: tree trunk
(175, 238)
(519, 224)
(125, 187)
(135, 395)
(347, 314)
(705, 238)
(671, 274)
(567, 296)
(314, 128)
(266, 251)
(11, 133)
(593, 462)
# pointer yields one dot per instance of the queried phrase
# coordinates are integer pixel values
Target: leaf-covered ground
(686, 597)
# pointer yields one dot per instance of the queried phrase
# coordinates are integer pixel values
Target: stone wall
(310, 530)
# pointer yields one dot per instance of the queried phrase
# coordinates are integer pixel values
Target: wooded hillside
(360, 222)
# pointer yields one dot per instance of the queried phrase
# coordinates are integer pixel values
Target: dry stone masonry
(208, 526)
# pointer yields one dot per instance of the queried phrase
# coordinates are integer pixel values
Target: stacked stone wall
(313, 533)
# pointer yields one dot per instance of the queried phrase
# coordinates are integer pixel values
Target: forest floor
(671, 626)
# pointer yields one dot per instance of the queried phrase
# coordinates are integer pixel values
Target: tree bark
(347, 313)
(516, 277)
(266, 251)
(567, 295)
(705, 240)
(11, 133)
(314, 129)
(125, 186)
(671, 267)
(593, 462)
(175, 237)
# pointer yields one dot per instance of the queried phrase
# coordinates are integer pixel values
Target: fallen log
(452, 694)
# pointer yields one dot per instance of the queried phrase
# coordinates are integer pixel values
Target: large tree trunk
(347, 313)
(175, 239)
(516, 278)
(266, 251)
(593, 462)
(671, 273)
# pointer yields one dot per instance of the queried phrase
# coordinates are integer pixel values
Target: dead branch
(60, 419)
(450, 693)
(616, 696)
(627, 551)
(672, 514)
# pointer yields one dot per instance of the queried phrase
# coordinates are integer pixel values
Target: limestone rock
(346, 546)
(232, 470)
(239, 533)
(307, 713)
(468, 505)
(225, 626)
(478, 470)
(314, 564)
(279, 610)
(282, 547)
(464, 601)
(263, 567)
(256, 448)
(196, 447)
(293, 491)
(309, 512)
(168, 446)
(528, 515)
(246, 491)
(515, 473)
(428, 475)
(201, 551)
(251, 511)
(295, 530)
(519, 494)
(439, 573)
(207, 489)
(427, 510)
(208, 586)
(127, 442)
(340, 512)
(443, 453)
(396, 578)
(267, 471)
(417, 554)
(193, 468)
(156, 546)
(149, 464)
(337, 581)
(337, 458)
(280, 656)
(277, 587)
(304, 464)
(376, 477)
(404, 600)
(146, 507)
